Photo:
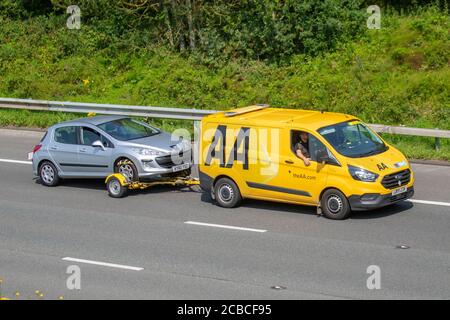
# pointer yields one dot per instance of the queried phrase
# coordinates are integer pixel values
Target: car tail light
(37, 148)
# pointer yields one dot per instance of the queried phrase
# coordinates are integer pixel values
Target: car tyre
(226, 193)
(127, 169)
(48, 174)
(335, 205)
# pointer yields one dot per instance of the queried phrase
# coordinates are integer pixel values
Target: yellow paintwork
(137, 185)
(267, 162)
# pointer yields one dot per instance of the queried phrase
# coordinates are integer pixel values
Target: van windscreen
(353, 139)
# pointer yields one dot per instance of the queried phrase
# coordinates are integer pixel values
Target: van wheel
(335, 205)
(48, 174)
(227, 193)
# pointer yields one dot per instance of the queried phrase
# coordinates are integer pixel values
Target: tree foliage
(272, 30)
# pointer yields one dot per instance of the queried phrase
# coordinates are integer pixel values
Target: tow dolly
(118, 185)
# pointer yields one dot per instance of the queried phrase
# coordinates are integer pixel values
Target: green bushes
(398, 75)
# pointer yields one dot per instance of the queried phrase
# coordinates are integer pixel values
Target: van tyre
(226, 193)
(335, 205)
(48, 174)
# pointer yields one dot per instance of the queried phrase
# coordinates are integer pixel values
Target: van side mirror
(322, 156)
(98, 144)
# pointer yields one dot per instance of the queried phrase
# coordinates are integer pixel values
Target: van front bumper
(375, 201)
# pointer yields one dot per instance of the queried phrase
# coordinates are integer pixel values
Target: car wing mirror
(98, 144)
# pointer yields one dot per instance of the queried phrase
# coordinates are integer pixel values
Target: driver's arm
(301, 156)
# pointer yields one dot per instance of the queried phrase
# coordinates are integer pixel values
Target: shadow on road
(299, 209)
(397, 208)
(92, 184)
(99, 185)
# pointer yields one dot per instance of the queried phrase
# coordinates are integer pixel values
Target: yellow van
(330, 160)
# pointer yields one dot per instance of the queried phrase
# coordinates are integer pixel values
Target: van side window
(315, 146)
(66, 135)
(300, 142)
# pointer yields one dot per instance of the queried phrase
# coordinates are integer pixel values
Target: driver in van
(302, 148)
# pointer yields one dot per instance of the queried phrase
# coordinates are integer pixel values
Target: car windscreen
(353, 139)
(128, 129)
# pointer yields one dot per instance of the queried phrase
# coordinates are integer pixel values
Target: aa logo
(382, 166)
(217, 148)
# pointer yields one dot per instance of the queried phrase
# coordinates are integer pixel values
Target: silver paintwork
(93, 161)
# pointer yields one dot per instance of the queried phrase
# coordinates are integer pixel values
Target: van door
(303, 183)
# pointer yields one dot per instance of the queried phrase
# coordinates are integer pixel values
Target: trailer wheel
(115, 188)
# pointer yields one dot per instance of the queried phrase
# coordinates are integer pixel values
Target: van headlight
(147, 152)
(362, 174)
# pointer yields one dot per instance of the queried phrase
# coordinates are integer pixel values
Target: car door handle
(53, 148)
(83, 150)
(289, 161)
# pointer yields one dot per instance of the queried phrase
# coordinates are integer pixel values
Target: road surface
(167, 243)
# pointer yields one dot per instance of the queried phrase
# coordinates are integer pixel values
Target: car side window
(89, 136)
(107, 143)
(66, 135)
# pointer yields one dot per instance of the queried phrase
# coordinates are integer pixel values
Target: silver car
(99, 146)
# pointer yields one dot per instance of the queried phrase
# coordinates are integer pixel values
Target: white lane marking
(15, 161)
(436, 203)
(104, 264)
(224, 226)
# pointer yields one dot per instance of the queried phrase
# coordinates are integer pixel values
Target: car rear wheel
(127, 169)
(335, 205)
(48, 174)
(227, 193)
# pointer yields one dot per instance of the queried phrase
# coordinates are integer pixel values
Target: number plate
(30, 156)
(399, 191)
(181, 167)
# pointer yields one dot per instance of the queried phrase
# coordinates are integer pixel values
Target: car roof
(97, 120)
(279, 117)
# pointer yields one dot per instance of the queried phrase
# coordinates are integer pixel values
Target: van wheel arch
(328, 188)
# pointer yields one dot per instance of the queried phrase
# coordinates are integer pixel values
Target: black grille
(397, 179)
(165, 162)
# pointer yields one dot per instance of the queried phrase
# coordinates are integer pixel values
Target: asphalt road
(284, 245)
